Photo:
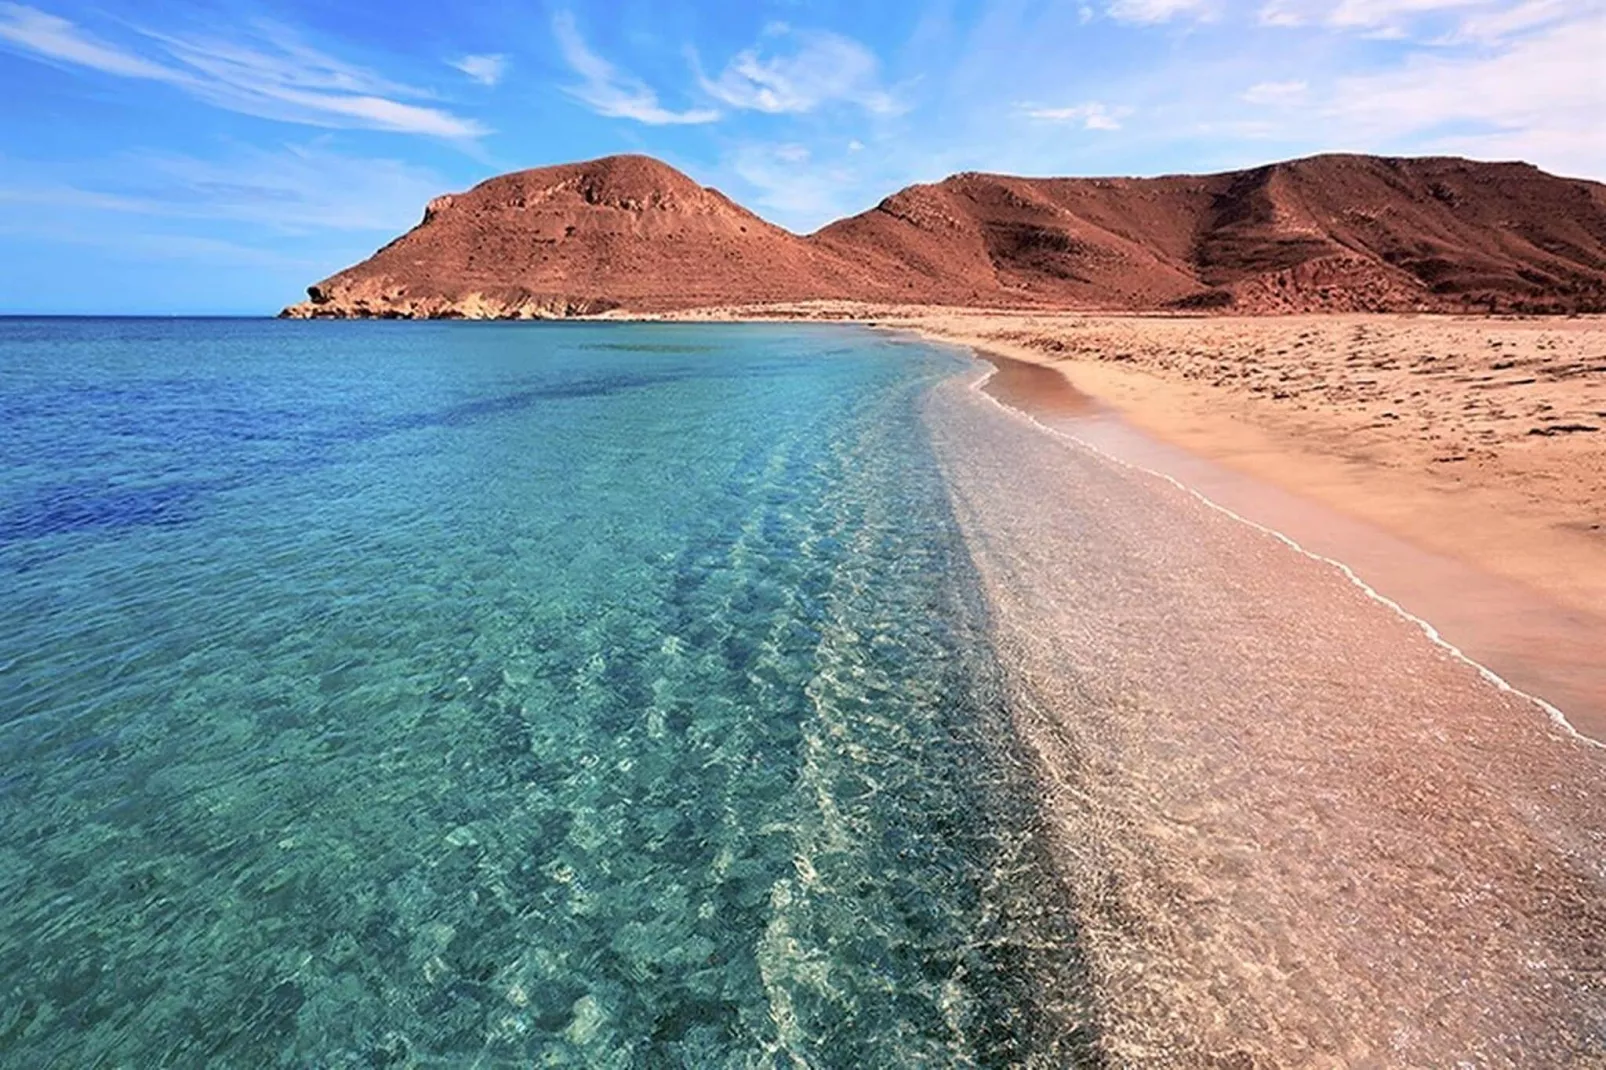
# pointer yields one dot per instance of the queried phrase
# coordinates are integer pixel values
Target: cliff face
(1329, 233)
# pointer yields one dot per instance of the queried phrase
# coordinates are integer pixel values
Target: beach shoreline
(1458, 462)
(1296, 830)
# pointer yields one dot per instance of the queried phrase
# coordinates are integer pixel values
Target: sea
(384, 694)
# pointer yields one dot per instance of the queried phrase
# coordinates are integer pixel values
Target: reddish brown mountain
(625, 231)
(1335, 233)
(1330, 232)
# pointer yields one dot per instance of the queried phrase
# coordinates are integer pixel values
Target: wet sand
(1296, 831)
(1538, 645)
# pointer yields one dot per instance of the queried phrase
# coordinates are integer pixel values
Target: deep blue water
(385, 694)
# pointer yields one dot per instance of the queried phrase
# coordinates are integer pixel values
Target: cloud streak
(1090, 116)
(613, 93)
(1480, 19)
(1153, 11)
(820, 68)
(51, 37)
(271, 75)
(1487, 26)
(1540, 97)
(1276, 94)
(295, 189)
(484, 69)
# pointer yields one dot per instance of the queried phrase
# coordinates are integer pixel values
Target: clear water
(501, 695)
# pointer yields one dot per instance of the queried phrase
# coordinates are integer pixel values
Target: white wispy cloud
(269, 57)
(1534, 96)
(786, 183)
(1276, 93)
(294, 189)
(1394, 18)
(1090, 116)
(269, 74)
(796, 71)
(1488, 26)
(1151, 11)
(1539, 98)
(485, 69)
(611, 92)
(68, 196)
(143, 248)
(299, 188)
(56, 38)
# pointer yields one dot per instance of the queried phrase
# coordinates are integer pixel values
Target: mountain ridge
(1334, 232)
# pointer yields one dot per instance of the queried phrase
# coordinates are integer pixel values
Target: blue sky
(216, 156)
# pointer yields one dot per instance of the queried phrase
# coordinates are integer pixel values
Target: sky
(217, 156)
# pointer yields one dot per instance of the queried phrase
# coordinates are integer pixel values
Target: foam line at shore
(1557, 717)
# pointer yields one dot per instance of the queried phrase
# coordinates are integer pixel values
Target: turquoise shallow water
(389, 694)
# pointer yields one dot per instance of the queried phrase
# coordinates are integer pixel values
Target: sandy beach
(1478, 437)
(1294, 831)
(1474, 447)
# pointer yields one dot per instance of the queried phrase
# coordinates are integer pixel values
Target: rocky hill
(624, 231)
(1328, 233)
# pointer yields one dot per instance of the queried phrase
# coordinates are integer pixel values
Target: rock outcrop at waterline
(1327, 233)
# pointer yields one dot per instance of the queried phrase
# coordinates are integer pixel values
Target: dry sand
(1463, 457)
